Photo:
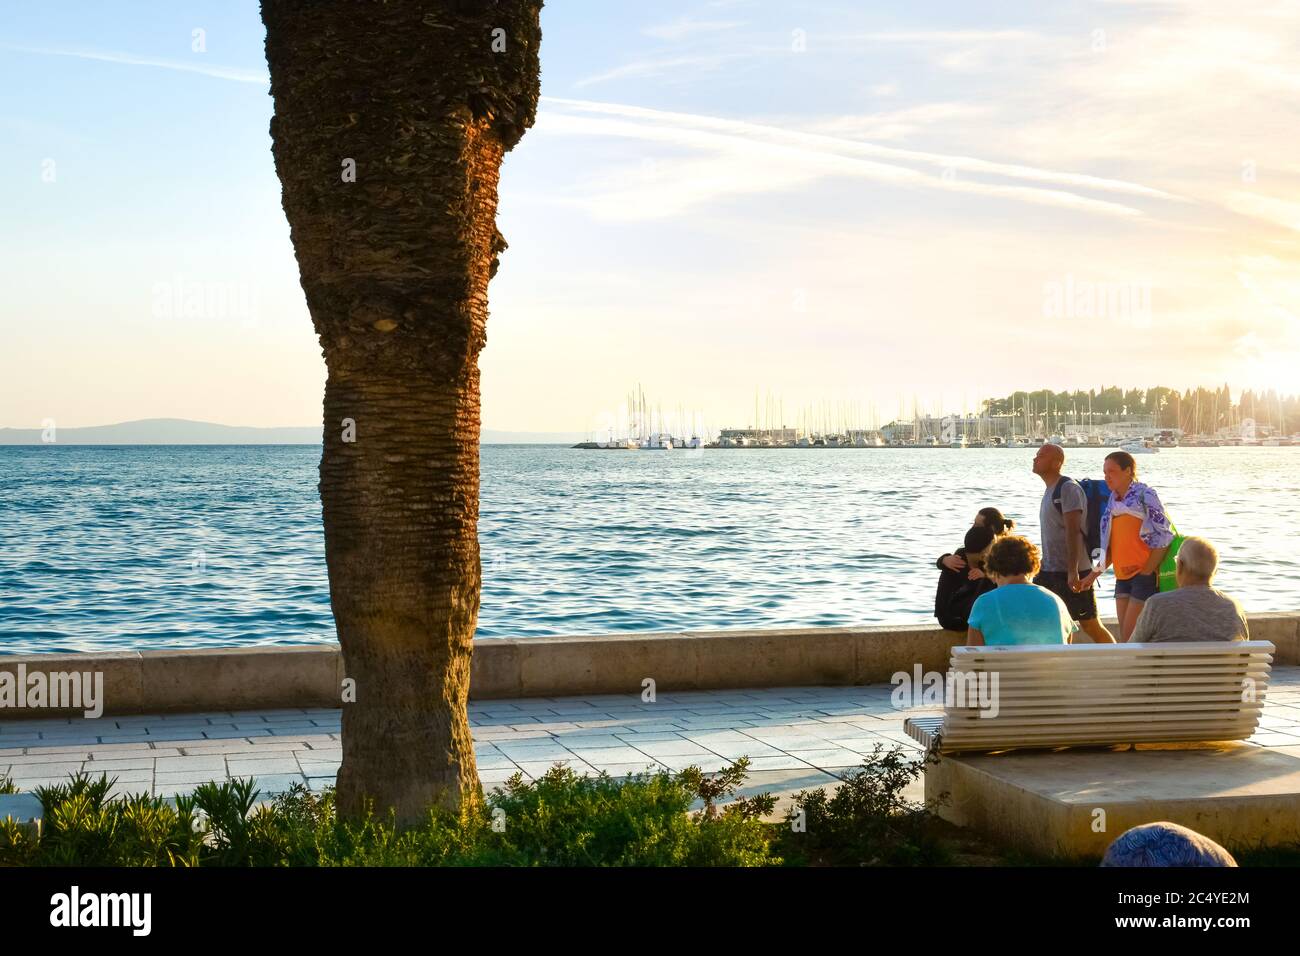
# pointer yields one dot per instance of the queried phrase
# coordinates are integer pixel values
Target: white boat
(1137, 446)
(657, 442)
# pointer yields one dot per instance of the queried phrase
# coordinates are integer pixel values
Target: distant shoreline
(181, 431)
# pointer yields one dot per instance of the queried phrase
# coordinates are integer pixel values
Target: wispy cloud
(897, 124)
(642, 122)
(684, 27)
(236, 74)
(1280, 212)
(940, 36)
(662, 65)
(731, 157)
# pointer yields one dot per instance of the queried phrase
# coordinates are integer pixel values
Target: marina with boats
(1021, 421)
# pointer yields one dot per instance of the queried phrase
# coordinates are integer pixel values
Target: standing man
(1065, 546)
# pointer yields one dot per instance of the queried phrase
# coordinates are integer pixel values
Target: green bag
(1168, 574)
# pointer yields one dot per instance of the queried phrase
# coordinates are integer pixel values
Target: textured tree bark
(391, 120)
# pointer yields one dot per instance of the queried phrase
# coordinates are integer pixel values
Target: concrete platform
(1074, 802)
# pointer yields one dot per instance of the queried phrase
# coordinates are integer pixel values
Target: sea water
(119, 547)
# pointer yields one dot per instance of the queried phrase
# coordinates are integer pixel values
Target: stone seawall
(224, 679)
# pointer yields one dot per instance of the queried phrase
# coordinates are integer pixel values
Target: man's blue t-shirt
(1022, 614)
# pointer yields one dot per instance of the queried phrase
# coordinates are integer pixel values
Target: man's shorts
(1139, 587)
(1081, 604)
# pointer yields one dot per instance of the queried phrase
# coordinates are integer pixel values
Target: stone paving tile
(63, 755)
(536, 768)
(319, 768)
(259, 755)
(551, 727)
(212, 747)
(1266, 739)
(735, 749)
(587, 741)
(174, 790)
(290, 730)
(705, 736)
(120, 766)
(640, 737)
(709, 723)
(204, 764)
(134, 777)
(707, 764)
(828, 759)
(608, 755)
(541, 750)
(778, 762)
(784, 740)
(135, 746)
(262, 768)
(507, 733)
(489, 777)
(620, 770)
(676, 747)
(189, 777)
(842, 732)
(18, 772)
(785, 731)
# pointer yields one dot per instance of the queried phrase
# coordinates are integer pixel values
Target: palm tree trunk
(421, 99)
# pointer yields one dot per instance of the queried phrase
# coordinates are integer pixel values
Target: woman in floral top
(1135, 535)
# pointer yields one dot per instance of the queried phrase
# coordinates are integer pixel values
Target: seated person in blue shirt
(1017, 611)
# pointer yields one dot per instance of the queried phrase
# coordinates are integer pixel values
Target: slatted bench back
(1097, 694)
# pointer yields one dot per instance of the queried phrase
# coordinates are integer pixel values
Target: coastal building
(759, 436)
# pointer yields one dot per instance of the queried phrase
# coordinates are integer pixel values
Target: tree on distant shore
(1195, 411)
(391, 121)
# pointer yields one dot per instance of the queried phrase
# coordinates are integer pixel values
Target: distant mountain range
(179, 431)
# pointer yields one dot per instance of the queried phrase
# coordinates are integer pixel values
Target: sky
(810, 204)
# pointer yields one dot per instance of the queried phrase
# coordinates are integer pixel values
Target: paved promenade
(796, 738)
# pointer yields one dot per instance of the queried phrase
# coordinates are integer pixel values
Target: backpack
(1097, 494)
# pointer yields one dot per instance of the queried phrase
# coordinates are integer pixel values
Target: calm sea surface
(133, 547)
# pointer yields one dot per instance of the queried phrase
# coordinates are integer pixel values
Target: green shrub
(561, 819)
(867, 822)
(7, 785)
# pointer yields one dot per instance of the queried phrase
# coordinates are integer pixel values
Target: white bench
(1051, 695)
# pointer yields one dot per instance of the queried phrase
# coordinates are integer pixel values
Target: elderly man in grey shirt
(1196, 611)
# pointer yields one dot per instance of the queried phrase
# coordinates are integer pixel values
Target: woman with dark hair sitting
(1017, 611)
(990, 518)
(958, 589)
(1135, 535)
